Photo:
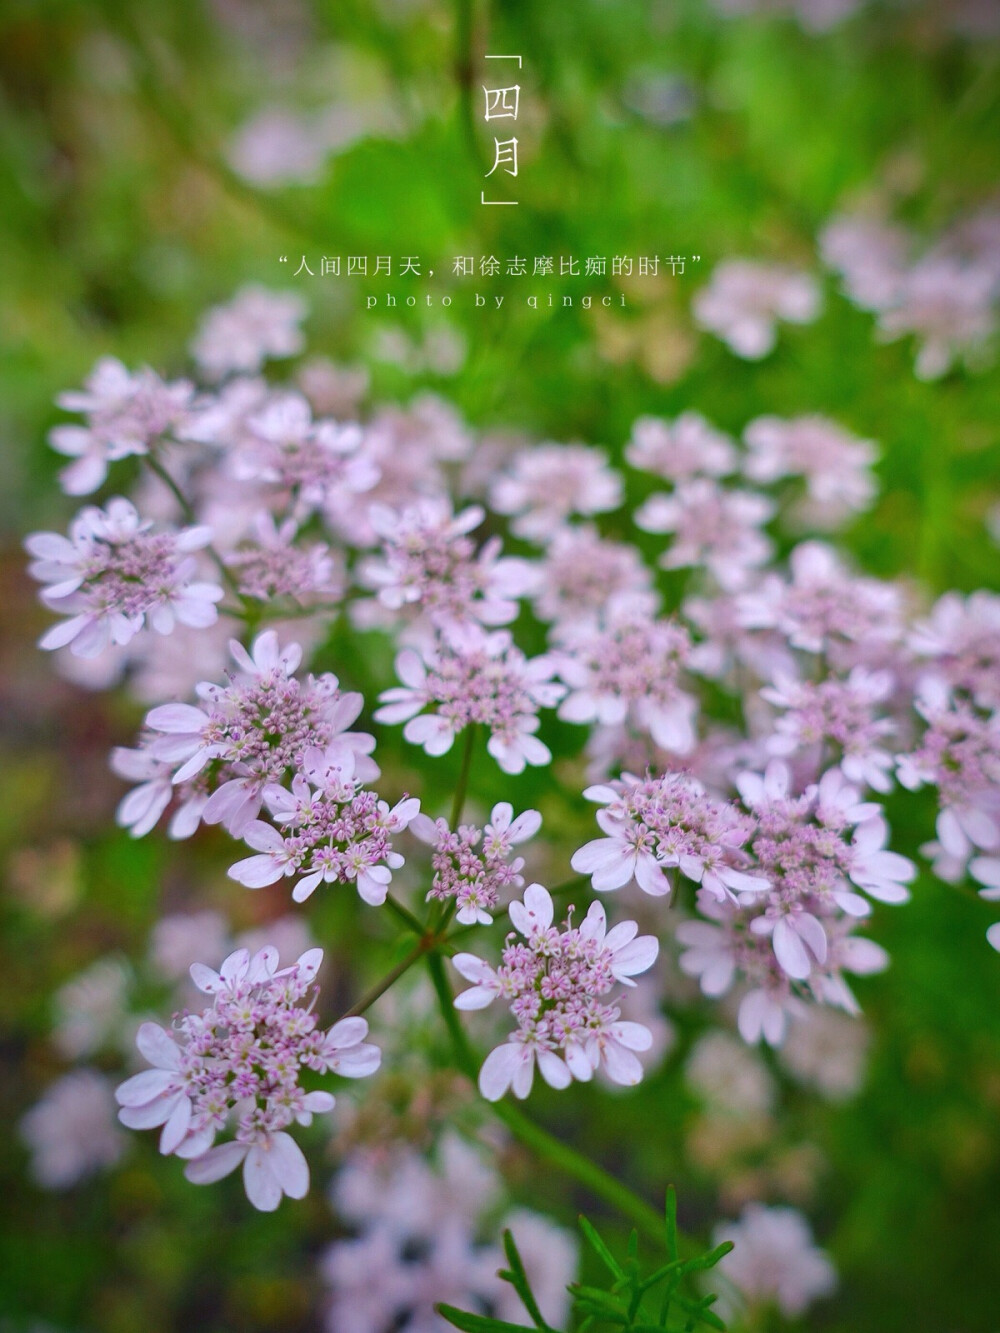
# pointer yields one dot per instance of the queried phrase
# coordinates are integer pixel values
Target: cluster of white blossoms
(741, 697)
(945, 295)
(419, 1225)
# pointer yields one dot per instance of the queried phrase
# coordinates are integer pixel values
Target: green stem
(463, 777)
(390, 978)
(465, 74)
(540, 1141)
(405, 915)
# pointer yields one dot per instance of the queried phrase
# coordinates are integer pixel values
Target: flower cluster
(478, 678)
(946, 297)
(429, 562)
(744, 300)
(557, 983)
(113, 576)
(740, 719)
(419, 1225)
(333, 831)
(654, 824)
(248, 735)
(242, 1059)
(625, 671)
(126, 414)
(475, 878)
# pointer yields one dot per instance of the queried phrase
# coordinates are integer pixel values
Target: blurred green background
(648, 128)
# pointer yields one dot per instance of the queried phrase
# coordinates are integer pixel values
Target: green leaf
(518, 1279)
(604, 1299)
(671, 1219)
(478, 1323)
(601, 1249)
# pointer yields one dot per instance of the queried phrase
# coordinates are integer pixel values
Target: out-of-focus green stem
(462, 786)
(465, 73)
(390, 978)
(405, 915)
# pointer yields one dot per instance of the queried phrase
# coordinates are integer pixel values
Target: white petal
(215, 1164)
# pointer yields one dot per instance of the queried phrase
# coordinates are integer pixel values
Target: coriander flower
(655, 824)
(474, 878)
(113, 577)
(689, 446)
(245, 736)
(556, 983)
(548, 483)
(241, 1059)
(711, 527)
(478, 678)
(429, 562)
(626, 670)
(744, 301)
(333, 831)
(254, 326)
(126, 414)
(775, 1260)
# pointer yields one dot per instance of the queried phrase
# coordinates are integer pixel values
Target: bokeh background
(156, 158)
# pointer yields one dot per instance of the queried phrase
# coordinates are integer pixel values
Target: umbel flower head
(334, 831)
(243, 737)
(558, 983)
(471, 875)
(113, 576)
(241, 1061)
(471, 678)
(654, 824)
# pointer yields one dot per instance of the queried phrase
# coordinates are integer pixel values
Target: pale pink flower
(71, 1131)
(870, 256)
(176, 941)
(827, 1050)
(580, 573)
(555, 983)
(430, 563)
(90, 1010)
(547, 484)
(334, 390)
(242, 1057)
(961, 641)
(774, 1260)
(843, 714)
(255, 326)
(689, 446)
(245, 736)
(654, 824)
(113, 577)
(950, 307)
(714, 528)
(959, 753)
(627, 669)
(315, 464)
(825, 608)
(478, 679)
(835, 466)
(744, 300)
(277, 147)
(126, 414)
(475, 878)
(728, 1078)
(274, 565)
(334, 831)
(409, 448)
